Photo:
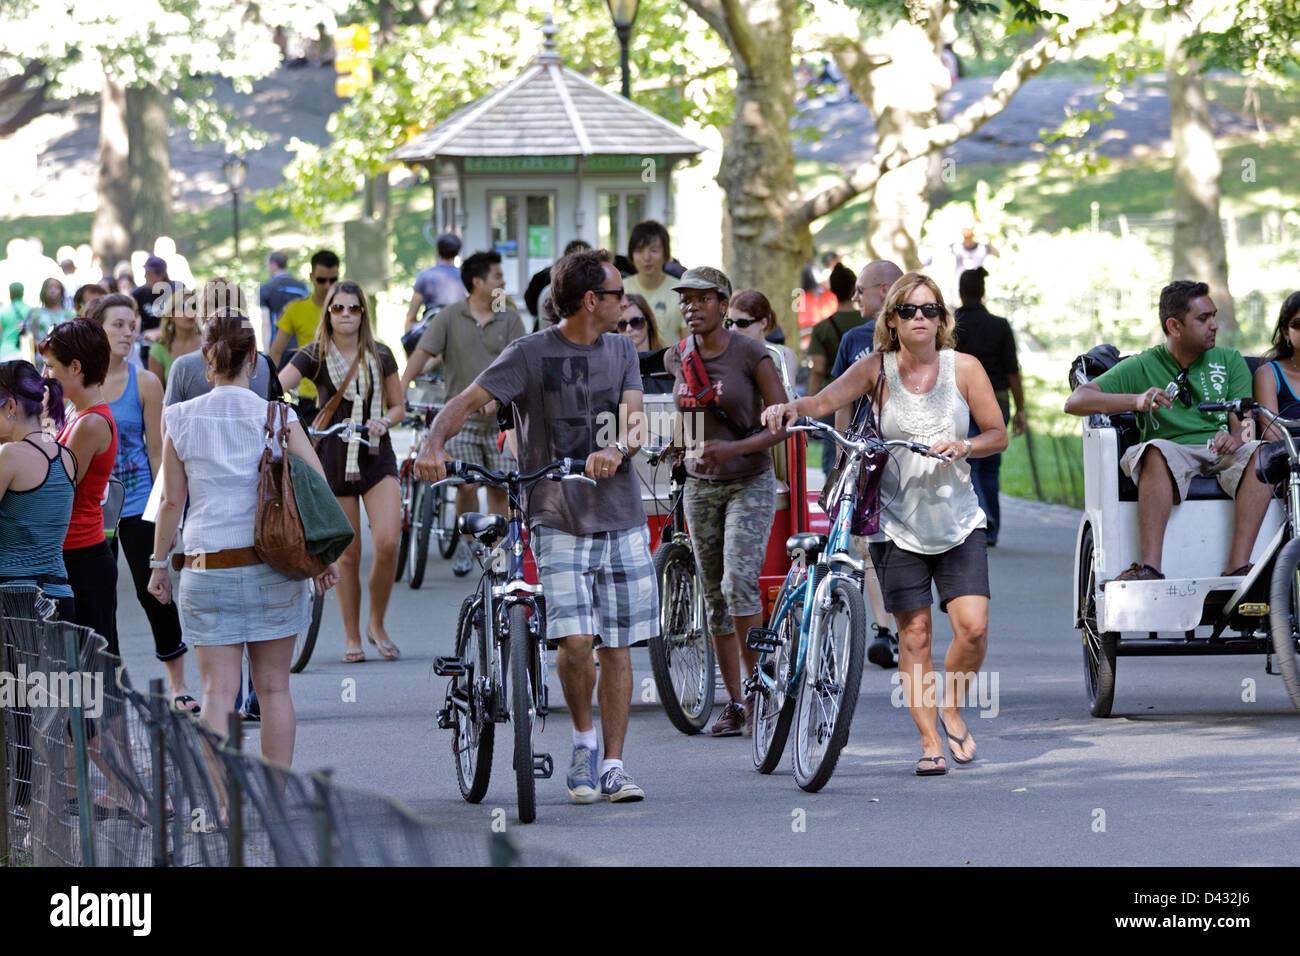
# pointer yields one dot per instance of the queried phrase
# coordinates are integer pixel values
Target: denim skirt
(242, 605)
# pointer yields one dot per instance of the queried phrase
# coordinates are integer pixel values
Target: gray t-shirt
(566, 400)
(188, 378)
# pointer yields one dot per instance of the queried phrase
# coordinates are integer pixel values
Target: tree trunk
(765, 250)
(149, 162)
(110, 234)
(1199, 250)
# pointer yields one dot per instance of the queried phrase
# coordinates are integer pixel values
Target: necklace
(916, 387)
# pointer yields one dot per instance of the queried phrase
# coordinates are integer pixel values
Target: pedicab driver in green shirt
(1164, 385)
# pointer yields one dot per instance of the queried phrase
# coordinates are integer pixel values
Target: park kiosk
(546, 158)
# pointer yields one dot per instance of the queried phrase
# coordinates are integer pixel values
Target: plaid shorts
(477, 442)
(600, 584)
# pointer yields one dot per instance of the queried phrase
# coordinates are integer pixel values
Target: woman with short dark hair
(77, 354)
(648, 248)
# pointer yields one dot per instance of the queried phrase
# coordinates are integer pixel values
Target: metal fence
(95, 773)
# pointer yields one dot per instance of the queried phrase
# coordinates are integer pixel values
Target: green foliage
(429, 71)
(1249, 35)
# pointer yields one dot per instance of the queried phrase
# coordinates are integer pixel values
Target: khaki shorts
(1187, 461)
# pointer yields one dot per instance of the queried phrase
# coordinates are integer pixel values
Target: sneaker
(883, 651)
(617, 787)
(731, 721)
(464, 562)
(750, 700)
(1139, 572)
(581, 781)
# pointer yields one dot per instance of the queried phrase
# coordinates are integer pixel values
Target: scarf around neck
(367, 378)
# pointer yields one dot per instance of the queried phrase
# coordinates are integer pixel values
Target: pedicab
(1195, 609)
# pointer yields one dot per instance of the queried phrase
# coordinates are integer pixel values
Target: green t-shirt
(1219, 375)
(12, 317)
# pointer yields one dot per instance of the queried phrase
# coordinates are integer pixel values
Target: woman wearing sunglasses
(637, 322)
(751, 314)
(358, 381)
(730, 492)
(931, 525)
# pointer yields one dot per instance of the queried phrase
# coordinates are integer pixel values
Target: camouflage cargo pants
(729, 523)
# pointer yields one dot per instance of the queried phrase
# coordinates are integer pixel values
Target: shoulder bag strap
(323, 418)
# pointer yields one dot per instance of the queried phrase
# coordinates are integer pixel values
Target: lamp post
(624, 15)
(236, 172)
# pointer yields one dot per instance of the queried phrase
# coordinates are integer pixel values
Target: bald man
(868, 295)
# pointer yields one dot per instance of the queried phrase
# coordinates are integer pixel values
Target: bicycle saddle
(810, 544)
(486, 528)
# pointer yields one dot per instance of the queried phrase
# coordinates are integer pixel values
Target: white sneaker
(464, 562)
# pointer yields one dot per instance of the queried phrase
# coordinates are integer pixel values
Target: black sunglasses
(1180, 388)
(931, 310)
(637, 323)
(326, 280)
(741, 323)
(618, 292)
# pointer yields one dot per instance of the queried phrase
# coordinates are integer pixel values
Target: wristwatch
(158, 565)
(623, 449)
(968, 445)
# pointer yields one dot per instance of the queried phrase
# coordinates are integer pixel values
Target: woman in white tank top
(931, 525)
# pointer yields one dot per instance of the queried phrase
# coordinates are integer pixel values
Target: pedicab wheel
(828, 694)
(1284, 615)
(773, 707)
(445, 522)
(522, 678)
(471, 709)
(682, 655)
(1098, 647)
(305, 642)
(405, 483)
(425, 496)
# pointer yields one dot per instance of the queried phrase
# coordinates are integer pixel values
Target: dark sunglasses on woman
(741, 323)
(636, 323)
(931, 310)
(338, 308)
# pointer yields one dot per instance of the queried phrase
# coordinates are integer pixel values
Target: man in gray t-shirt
(188, 379)
(576, 392)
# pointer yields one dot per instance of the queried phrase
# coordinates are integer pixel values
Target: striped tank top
(32, 525)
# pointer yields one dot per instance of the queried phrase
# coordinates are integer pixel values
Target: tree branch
(1023, 68)
(728, 19)
(11, 85)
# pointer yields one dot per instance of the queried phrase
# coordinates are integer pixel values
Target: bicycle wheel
(682, 655)
(423, 510)
(405, 484)
(773, 707)
(305, 642)
(829, 691)
(470, 700)
(445, 522)
(523, 671)
(1282, 616)
(1098, 648)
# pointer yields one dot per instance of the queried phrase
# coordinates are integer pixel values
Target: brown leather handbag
(278, 534)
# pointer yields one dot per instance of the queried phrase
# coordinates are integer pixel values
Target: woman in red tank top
(77, 353)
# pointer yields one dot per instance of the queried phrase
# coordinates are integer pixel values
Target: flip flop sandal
(955, 742)
(354, 657)
(387, 649)
(180, 705)
(936, 769)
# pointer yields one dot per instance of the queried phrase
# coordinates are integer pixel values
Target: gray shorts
(1187, 461)
(599, 584)
(476, 442)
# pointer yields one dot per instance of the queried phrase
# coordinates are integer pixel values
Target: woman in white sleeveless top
(931, 525)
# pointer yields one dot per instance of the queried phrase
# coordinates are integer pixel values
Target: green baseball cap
(705, 277)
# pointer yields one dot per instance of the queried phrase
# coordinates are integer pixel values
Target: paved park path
(1186, 773)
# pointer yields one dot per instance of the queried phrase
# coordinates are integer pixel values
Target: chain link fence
(95, 773)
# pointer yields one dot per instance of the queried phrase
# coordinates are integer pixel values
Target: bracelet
(158, 565)
(968, 445)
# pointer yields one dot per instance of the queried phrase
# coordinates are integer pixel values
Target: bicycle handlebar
(349, 429)
(566, 469)
(864, 446)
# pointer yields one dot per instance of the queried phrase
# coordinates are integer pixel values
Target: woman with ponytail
(228, 597)
(36, 491)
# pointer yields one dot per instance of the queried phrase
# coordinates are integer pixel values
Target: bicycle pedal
(449, 667)
(764, 640)
(543, 766)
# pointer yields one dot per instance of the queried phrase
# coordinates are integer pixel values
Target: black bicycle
(500, 642)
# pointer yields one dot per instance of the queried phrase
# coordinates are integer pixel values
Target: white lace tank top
(929, 507)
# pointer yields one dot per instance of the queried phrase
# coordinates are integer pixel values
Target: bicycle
(810, 664)
(681, 657)
(426, 512)
(500, 642)
(305, 642)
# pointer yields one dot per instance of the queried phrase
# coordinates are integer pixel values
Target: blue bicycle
(810, 657)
